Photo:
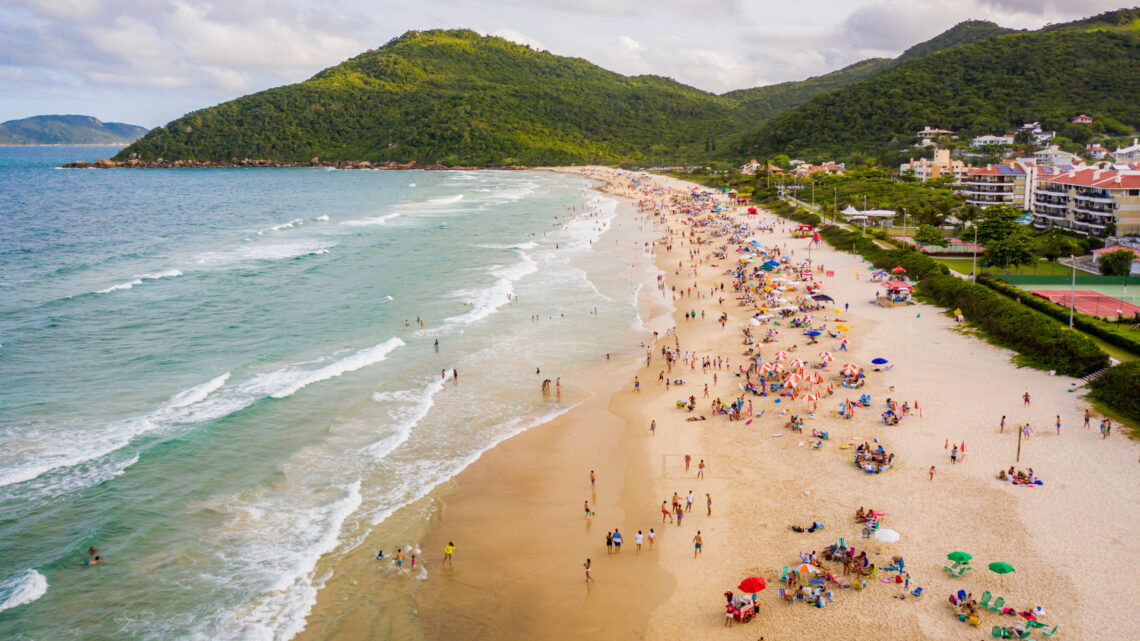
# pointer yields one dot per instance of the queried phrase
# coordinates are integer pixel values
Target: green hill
(984, 87)
(963, 33)
(67, 130)
(761, 103)
(459, 98)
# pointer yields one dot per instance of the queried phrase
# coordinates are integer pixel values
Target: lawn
(1041, 268)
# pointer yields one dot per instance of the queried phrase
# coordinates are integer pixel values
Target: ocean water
(207, 374)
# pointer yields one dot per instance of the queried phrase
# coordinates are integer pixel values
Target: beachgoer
(637, 541)
(954, 454)
(689, 502)
(589, 512)
(1025, 397)
(96, 560)
(448, 551)
(665, 514)
(688, 459)
(617, 541)
(379, 555)
(609, 542)
(652, 538)
(697, 544)
(1002, 427)
(1087, 419)
(593, 480)
(931, 472)
(708, 504)
(413, 561)
(653, 428)
(586, 565)
(701, 469)
(400, 561)
(1058, 425)
(455, 375)
(1026, 430)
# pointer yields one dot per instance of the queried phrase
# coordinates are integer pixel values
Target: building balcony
(1045, 203)
(1093, 212)
(1051, 192)
(1051, 217)
(1094, 198)
(988, 183)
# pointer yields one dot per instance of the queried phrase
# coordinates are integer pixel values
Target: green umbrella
(959, 556)
(1001, 567)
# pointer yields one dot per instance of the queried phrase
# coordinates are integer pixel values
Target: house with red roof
(1004, 184)
(1082, 120)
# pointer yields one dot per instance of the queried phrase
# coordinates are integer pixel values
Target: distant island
(68, 130)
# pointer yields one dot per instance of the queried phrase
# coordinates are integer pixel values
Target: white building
(941, 165)
(1128, 154)
(927, 135)
(1053, 155)
(988, 141)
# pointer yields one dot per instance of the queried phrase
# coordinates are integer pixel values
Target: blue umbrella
(815, 333)
(880, 361)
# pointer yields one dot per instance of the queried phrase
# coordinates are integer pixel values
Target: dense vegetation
(963, 33)
(1119, 389)
(458, 98)
(984, 87)
(761, 103)
(67, 130)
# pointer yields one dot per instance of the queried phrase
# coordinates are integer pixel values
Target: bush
(1108, 332)
(1119, 389)
(1041, 341)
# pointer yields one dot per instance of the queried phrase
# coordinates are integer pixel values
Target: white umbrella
(754, 322)
(887, 536)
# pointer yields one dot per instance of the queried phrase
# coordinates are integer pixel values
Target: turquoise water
(207, 373)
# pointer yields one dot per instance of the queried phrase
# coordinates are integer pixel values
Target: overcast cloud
(149, 61)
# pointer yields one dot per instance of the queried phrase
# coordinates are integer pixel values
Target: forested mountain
(67, 130)
(761, 103)
(459, 98)
(985, 87)
(963, 33)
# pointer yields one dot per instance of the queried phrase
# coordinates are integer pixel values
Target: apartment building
(1004, 184)
(926, 169)
(1088, 200)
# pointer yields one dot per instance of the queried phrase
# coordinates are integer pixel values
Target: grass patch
(1041, 268)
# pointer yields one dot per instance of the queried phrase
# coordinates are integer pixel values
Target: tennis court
(1089, 302)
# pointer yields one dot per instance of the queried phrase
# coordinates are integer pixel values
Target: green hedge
(1119, 389)
(1109, 333)
(1041, 341)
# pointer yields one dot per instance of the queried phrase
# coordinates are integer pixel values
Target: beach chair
(985, 602)
(866, 532)
(962, 570)
(997, 632)
(998, 602)
(953, 567)
(1049, 633)
(917, 592)
(1031, 624)
(784, 574)
(841, 544)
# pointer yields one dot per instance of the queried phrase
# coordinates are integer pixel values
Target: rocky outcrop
(135, 163)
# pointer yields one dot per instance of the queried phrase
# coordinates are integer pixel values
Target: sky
(147, 62)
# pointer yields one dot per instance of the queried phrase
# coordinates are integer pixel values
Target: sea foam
(138, 280)
(21, 589)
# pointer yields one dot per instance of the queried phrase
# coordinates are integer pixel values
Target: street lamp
(1072, 290)
(974, 269)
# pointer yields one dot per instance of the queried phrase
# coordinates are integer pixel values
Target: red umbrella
(752, 584)
(899, 270)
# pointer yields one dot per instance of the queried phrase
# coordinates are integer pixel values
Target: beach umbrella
(843, 328)
(887, 536)
(814, 333)
(796, 363)
(752, 584)
(754, 322)
(806, 568)
(899, 270)
(880, 361)
(959, 556)
(849, 369)
(780, 356)
(765, 368)
(1001, 567)
(826, 357)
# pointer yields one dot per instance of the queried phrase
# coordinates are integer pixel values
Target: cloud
(518, 37)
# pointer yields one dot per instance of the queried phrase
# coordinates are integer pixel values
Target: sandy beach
(516, 515)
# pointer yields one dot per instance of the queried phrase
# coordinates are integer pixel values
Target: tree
(968, 214)
(998, 222)
(1055, 245)
(1116, 263)
(927, 235)
(781, 160)
(1016, 248)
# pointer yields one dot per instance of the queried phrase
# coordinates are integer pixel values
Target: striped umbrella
(780, 356)
(806, 568)
(849, 369)
(826, 357)
(796, 363)
(766, 368)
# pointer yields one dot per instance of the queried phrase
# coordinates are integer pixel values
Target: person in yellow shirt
(447, 552)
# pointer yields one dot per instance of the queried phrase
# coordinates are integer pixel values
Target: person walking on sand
(1025, 397)
(1026, 431)
(589, 579)
(636, 384)
(652, 538)
(954, 454)
(689, 502)
(617, 541)
(1087, 417)
(708, 504)
(680, 515)
(593, 480)
(448, 551)
(665, 513)
(609, 542)
(400, 561)
(701, 469)
(637, 541)
(653, 427)
(688, 459)
(1001, 428)
(697, 544)
(589, 512)
(1058, 425)
(931, 472)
